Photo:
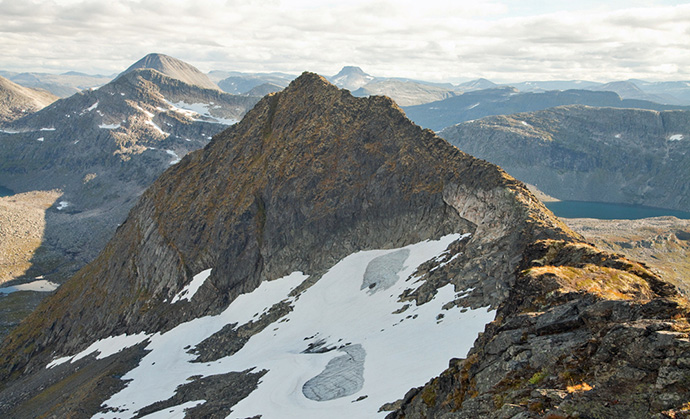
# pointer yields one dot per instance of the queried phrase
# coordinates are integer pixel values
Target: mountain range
(508, 100)
(583, 153)
(327, 257)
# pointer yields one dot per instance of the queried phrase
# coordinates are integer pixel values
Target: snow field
(397, 351)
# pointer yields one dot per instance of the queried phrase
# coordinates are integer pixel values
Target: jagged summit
(292, 253)
(18, 101)
(172, 67)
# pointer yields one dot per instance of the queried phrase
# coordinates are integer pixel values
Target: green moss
(538, 377)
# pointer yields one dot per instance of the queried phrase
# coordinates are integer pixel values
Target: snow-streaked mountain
(18, 101)
(478, 84)
(101, 148)
(174, 68)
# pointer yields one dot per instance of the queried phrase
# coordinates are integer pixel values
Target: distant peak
(351, 69)
(173, 67)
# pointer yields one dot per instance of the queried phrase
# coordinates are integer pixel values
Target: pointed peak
(172, 67)
(309, 80)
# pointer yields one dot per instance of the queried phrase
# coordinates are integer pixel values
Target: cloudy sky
(503, 40)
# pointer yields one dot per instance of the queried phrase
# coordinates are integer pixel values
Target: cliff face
(587, 154)
(316, 202)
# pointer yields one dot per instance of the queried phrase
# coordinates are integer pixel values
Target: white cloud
(501, 40)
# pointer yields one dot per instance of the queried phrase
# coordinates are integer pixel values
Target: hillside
(580, 153)
(17, 101)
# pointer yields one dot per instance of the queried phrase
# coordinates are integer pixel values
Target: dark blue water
(5, 192)
(607, 211)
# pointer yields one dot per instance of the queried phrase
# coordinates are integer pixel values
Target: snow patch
(47, 129)
(156, 127)
(617, 135)
(41, 285)
(174, 412)
(62, 204)
(104, 347)
(472, 106)
(40, 139)
(676, 137)
(176, 158)
(92, 107)
(197, 110)
(190, 289)
(109, 126)
(525, 124)
(389, 350)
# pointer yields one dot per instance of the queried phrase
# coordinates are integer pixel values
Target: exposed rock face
(587, 154)
(17, 101)
(309, 178)
(174, 68)
(583, 334)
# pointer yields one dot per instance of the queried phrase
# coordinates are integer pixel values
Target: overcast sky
(502, 40)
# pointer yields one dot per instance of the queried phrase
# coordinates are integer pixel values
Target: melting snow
(190, 289)
(104, 347)
(386, 353)
(175, 412)
(62, 204)
(194, 110)
(109, 126)
(47, 129)
(41, 285)
(472, 106)
(92, 107)
(676, 137)
(40, 139)
(156, 127)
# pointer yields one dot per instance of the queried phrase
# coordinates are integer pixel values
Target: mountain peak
(173, 67)
(351, 78)
(17, 101)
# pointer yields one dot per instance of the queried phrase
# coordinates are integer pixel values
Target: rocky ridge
(310, 176)
(581, 153)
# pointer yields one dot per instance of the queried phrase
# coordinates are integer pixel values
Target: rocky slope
(589, 154)
(268, 274)
(508, 100)
(663, 243)
(17, 101)
(103, 147)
